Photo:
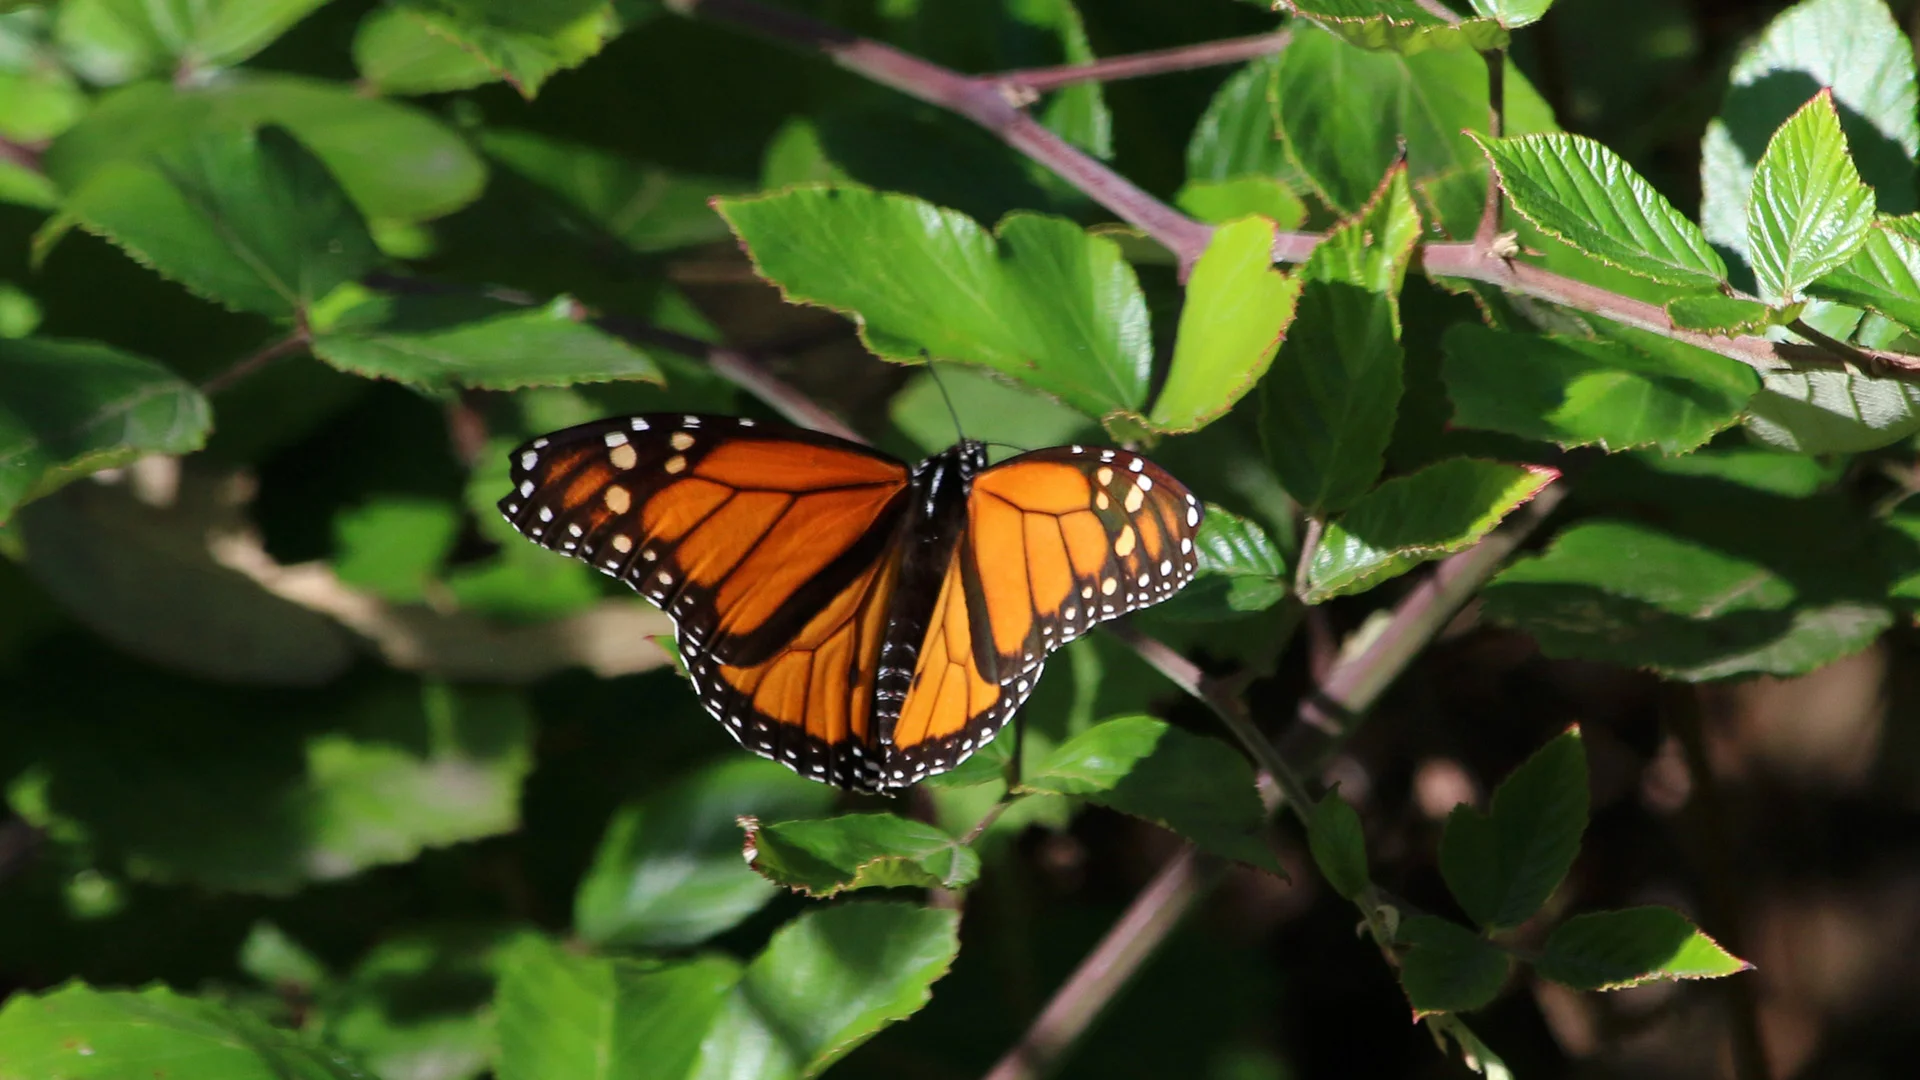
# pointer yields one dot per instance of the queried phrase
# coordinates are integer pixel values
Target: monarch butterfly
(865, 622)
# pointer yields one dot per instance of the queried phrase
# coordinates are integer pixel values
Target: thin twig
(254, 361)
(1158, 62)
(1137, 935)
(1309, 547)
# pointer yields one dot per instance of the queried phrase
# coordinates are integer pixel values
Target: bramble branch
(986, 101)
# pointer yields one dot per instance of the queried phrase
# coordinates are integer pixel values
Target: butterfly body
(865, 622)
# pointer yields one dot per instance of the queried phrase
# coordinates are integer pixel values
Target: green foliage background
(313, 768)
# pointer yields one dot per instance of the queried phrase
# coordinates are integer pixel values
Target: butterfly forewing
(741, 531)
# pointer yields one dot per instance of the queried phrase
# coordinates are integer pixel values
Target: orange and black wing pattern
(1055, 541)
(770, 546)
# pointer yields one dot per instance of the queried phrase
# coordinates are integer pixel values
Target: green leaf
(1218, 202)
(399, 51)
(79, 1033)
(1194, 785)
(561, 1014)
(1403, 26)
(68, 408)
(247, 218)
(1443, 508)
(1833, 412)
(38, 98)
(827, 857)
(1077, 113)
(1502, 866)
(1339, 845)
(416, 1006)
(1883, 275)
(1809, 212)
(1045, 302)
(645, 207)
(1513, 14)
(1575, 392)
(825, 984)
(393, 547)
(273, 958)
(1727, 316)
(668, 871)
(1344, 143)
(335, 783)
(396, 162)
(1749, 599)
(546, 346)
(1235, 137)
(116, 41)
(1852, 46)
(1234, 547)
(1578, 191)
(1447, 968)
(1330, 402)
(1236, 311)
(1611, 950)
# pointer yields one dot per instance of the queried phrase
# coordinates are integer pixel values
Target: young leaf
(1446, 967)
(1853, 46)
(1237, 308)
(1339, 845)
(1043, 302)
(1502, 866)
(1579, 393)
(1578, 191)
(562, 1014)
(1610, 950)
(668, 872)
(81, 1033)
(1331, 399)
(823, 858)
(1230, 546)
(1713, 313)
(1698, 609)
(826, 983)
(1809, 211)
(1408, 520)
(1196, 786)
(547, 346)
(68, 408)
(1883, 276)
(248, 218)
(1402, 26)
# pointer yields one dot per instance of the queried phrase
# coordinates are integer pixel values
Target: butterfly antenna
(959, 432)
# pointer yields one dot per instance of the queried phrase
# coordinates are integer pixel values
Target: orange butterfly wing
(1056, 541)
(769, 545)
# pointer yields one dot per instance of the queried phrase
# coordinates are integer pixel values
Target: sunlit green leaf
(1043, 301)
(1236, 311)
(828, 856)
(1809, 211)
(1610, 950)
